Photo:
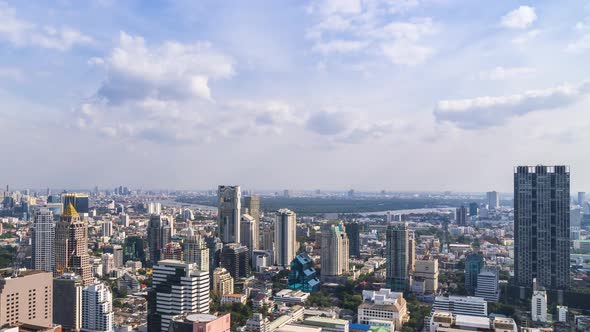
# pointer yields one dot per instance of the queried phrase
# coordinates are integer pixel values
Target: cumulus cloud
(506, 73)
(520, 18)
(21, 33)
(350, 28)
(483, 112)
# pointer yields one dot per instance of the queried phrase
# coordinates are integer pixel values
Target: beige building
(71, 246)
(285, 237)
(27, 299)
(383, 308)
(426, 272)
(443, 321)
(334, 255)
(223, 283)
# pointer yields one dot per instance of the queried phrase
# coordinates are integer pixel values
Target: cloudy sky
(330, 94)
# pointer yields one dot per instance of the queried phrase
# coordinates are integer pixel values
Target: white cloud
(582, 43)
(483, 112)
(406, 53)
(340, 46)
(21, 33)
(506, 73)
(525, 37)
(520, 18)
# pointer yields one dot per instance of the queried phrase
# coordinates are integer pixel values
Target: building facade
(249, 232)
(334, 250)
(196, 251)
(26, 299)
(43, 241)
(97, 308)
(397, 255)
(71, 246)
(228, 214)
(223, 282)
(542, 226)
(285, 241)
(67, 302)
(354, 241)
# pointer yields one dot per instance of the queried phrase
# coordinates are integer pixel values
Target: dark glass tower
(397, 255)
(354, 242)
(473, 264)
(541, 226)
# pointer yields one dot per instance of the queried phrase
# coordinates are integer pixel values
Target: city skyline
(393, 88)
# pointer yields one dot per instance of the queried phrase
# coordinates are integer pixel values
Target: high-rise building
(173, 251)
(397, 256)
(461, 216)
(426, 273)
(249, 232)
(268, 238)
(107, 228)
(411, 250)
(159, 234)
(108, 264)
(493, 199)
(117, 252)
(134, 249)
(474, 262)
(488, 286)
(581, 198)
(542, 226)
(285, 237)
(43, 240)
(71, 246)
(252, 206)
(97, 308)
(177, 288)
(473, 209)
(223, 282)
(354, 242)
(79, 201)
(236, 259)
(26, 299)
(196, 251)
(334, 250)
(67, 302)
(228, 214)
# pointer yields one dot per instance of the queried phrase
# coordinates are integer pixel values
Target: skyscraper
(236, 259)
(223, 282)
(177, 288)
(252, 206)
(397, 256)
(67, 302)
(493, 199)
(228, 214)
(285, 237)
(473, 264)
(196, 251)
(79, 201)
(134, 249)
(43, 238)
(581, 198)
(249, 232)
(159, 234)
(461, 216)
(97, 308)
(354, 242)
(542, 226)
(334, 252)
(473, 209)
(71, 246)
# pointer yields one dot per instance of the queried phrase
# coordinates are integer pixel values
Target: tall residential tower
(228, 215)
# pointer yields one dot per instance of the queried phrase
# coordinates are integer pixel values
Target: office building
(542, 226)
(327, 324)
(411, 250)
(461, 305)
(473, 209)
(154, 208)
(268, 239)
(539, 305)
(397, 254)
(461, 216)
(252, 207)
(228, 214)
(134, 249)
(442, 321)
(249, 232)
(426, 273)
(236, 259)
(383, 308)
(26, 299)
(108, 264)
(354, 241)
(71, 246)
(173, 251)
(97, 308)
(67, 302)
(107, 228)
(334, 250)
(488, 286)
(196, 251)
(562, 313)
(43, 241)
(159, 234)
(79, 201)
(285, 237)
(493, 199)
(177, 288)
(117, 252)
(193, 322)
(223, 282)
(473, 264)
(303, 276)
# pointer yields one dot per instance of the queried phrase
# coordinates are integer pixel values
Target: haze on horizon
(401, 95)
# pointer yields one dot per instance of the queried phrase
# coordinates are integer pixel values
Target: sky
(402, 95)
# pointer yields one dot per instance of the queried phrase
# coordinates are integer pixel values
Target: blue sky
(331, 94)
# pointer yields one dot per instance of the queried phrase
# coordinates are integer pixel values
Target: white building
(285, 237)
(562, 313)
(291, 296)
(124, 219)
(233, 298)
(539, 306)
(154, 208)
(488, 285)
(334, 250)
(43, 238)
(177, 288)
(442, 321)
(196, 251)
(249, 232)
(228, 215)
(383, 308)
(461, 305)
(97, 308)
(108, 264)
(107, 228)
(493, 200)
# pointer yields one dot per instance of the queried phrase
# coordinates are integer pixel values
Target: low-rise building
(233, 298)
(196, 322)
(327, 324)
(383, 308)
(461, 305)
(291, 296)
(443, 321)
